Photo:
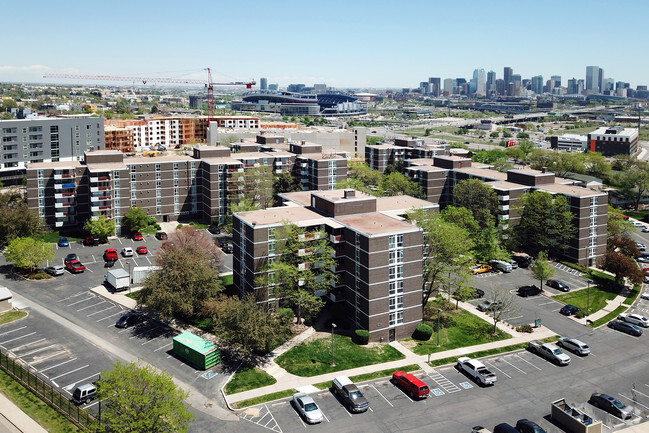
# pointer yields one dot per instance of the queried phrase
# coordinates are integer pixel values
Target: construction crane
(209, 85)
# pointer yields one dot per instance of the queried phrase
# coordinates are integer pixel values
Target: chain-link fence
(46, 392)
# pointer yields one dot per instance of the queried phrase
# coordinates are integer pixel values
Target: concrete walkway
(17, 419)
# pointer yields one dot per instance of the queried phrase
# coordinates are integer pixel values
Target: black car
(569, 310)
(557, 284)
(626, 327)
(611, 405)
(161, 236)
(71, 257)
(529, 291)
(129, 319)
(523, 261)
(222, 242)
(527, 426)
(215, 230)
(227, 249)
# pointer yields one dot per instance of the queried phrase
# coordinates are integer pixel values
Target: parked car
(129, 319)
(645, 295)
(142, 250)
(411, 385)
(84, 393)
(222, 242)
(641, 247)
(349, 394)
(75, 266)
(643, 258)
(127, 252)
(307, 408)
(635, 319)
(91, 241)
(501, 265)
(474, 292)
(558, 284)
(514, 264)
(55, 270)
(529, 291)
(480, 269)
(63, 242)
(161, 236)
(569, 310)
(626, 327)
(227, 249)
(111, 254)
(70, 257)
(215, 230)
(611, 405)
(480, 429)
(527, 426)
(137, 236)
(645, 229)
(574, 345)
(487, 305)
(522, 259)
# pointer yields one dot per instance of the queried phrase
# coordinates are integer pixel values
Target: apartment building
(439, 176)
(378, 254)
(315, 169)
(120, 139)
(379, 156)
(46, 139)
(616, 140)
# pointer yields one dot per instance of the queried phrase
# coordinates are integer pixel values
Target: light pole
(439, 312)
(588, 299)
(129, 276)
(333, 326)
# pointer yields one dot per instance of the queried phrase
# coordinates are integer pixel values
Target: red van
(414, 387)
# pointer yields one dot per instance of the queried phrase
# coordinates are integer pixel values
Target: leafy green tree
(634, 182)
(303, 273)
(362, 178)
(479, 198)
(515, 153)
(285, 182)
(527, 147)
(398, 184)
(188, 275)
(243, 205)
(447, 251)
(397, 167)
(6, 116)
(542, 269)
(461, 217)
(494, 134)
(597, 165)
(488, 246)
(545, 224)
(258, 186)
(138, 398)
(523, 135)
(135, 219)
(100, 227)
(507, 134)
(373, 140)
(245, 325)
(28, 253)
(559, 163)
(16, 219)
(489, 156)
(617, 225)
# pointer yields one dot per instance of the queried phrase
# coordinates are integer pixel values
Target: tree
(16, 219)
(154, 109)
(617, 225)
(597, 165)
(507, 134)
(29, 253)
(303, 273)
(488, 246)
(398, 167)
(258, 185)
(243, 205)
(373, 140)
(623, 267)
(560, 163)
(542, 269)
(515, 153)
(545, 224)
(362, 178)
(447, 250)
(523, 135)
(489, 156)
(527, 147)
(398, 184)
(634, 182)
(461, 217)
(245, 325)
(285, 182)
(188, 275)
(138, 398)
(504, 304)
(100, 227)
(479, 198)
(135, 219)
(494, 134)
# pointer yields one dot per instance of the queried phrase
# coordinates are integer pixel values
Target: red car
(111, 254)
(412, 385)
(75, 266)
(142, 250)
(137, 236)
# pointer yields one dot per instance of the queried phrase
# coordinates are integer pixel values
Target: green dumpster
(197, 351)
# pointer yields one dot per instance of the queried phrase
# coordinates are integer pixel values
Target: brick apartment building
(379, 156)
(378, 254)
(438, 177)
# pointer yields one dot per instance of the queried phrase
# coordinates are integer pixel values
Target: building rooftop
(300, 197)
(401, 203)
(155, 159)
(279, 215)
(574, 191)
(483, 172)
(339, 194)
(318, 156)
(55, 165)
(95, 168)
(376, 224)
(616, 130)
(507, 186)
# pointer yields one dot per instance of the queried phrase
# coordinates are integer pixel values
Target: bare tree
(503, 304)
(189, 238)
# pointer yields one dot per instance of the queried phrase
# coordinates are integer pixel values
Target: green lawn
(53, 237)
(198, 225)
(227, 280)
(466, 330)
(635, 292)
(372, 376)
(637, 214)
(610, 316)
(265, 398)
(579, 298)
(10, 316)
(248, 378)
(314, 358)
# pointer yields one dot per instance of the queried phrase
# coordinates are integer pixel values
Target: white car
(127, 252)
(635, 319)
(307, 408)
(645, 295)
(639, 224)
(641, 247)
(574, 345)
(645, 229)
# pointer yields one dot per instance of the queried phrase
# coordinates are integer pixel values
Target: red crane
(209, 85)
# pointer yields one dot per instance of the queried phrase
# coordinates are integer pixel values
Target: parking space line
(108, 317)
(512, 318)
(90, 306)
(101, 311)
(167, 345)
(91, 404)
(36, 351)
(504, 360)
(325, 416)
(27, 344)
(89, 270)
(521, 358)
(83, 300)
(496, 368)
(47, 357)
(548, 303)
(152, 339)
(17, 338)
(58, 365)
(299, 417)
(642, 394)
(13, 330)
(635, 401)
(73, 296)
(69, 386)
(70, 372)
(388, 401)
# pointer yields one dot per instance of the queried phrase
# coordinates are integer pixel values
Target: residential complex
(378, 254)
(378, 157)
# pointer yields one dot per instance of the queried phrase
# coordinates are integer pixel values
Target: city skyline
(343, 45)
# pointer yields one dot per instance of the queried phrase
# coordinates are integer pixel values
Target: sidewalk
(17, 418)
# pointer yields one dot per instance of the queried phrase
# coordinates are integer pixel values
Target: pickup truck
(349, 394)
(549, 351)
(477, 370)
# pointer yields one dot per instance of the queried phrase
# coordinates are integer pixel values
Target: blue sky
(353, 43)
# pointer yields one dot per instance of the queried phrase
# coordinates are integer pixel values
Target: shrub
(362, 337)
(286, 315)
(151, 221)
(423, 332)
(158, 227)
(525, 328)
(179, 226)
(40, 276)
(580, 314)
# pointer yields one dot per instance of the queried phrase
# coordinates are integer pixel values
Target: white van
(501, 265)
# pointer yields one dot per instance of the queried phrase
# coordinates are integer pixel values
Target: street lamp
(588, 299)
(333, 326)
(129, 276)
(439, 312)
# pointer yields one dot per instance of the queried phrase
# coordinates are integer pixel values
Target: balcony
(235, 170)
(335, 238)
(59, 205)
(503, 197)
(503, 207)
(235, 179)
(304, 266)
(64, 176)
(503, 217)
(309, 236)
(95, 198)
(65, 195)
(99, 188)
(64, 185)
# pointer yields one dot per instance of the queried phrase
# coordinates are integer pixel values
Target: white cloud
(29, 68)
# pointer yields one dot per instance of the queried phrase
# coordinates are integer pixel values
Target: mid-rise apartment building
(615, 140)
(378, 254)
(379, 156)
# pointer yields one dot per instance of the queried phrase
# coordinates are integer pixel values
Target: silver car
(307, 408)
(574, 345)
(55, 270)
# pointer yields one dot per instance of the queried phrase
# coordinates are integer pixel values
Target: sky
(354, 43)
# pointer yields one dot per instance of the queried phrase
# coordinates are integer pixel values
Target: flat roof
(57, 164)
(375, 224)
(300, 197)
(483, 172)
(428, 168)
(221, 160)
(401, 202)
(106, 166)
(277, 215)
(339, 194)
(318, 156)
(154, 159)
(626, 132)
(574, 191)
(505, 185)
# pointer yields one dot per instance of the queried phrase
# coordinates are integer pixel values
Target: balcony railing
(64, 176)
(65, 194)
(335, 238)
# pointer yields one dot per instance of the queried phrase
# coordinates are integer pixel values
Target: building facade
(616, 140)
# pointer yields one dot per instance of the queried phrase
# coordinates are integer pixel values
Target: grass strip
(249, 378)
(610, 316)
(633, 296)
(10, 316)
(265, 398)
(383, 373)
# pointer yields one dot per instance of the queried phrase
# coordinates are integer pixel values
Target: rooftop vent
(349, 193)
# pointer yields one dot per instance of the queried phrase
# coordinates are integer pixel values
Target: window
(158, 167)
(133, 176)
(396, 287)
